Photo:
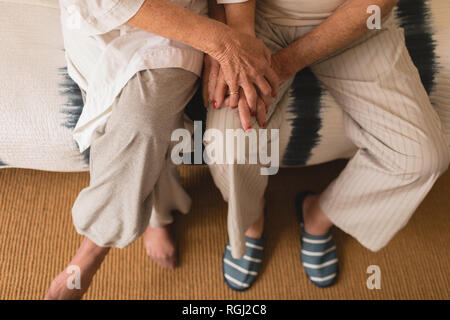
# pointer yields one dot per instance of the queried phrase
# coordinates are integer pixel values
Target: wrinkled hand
(212, 78)
(245, 64)
(211, 68)
(245, 113)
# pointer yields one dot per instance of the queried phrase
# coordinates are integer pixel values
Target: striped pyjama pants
(401, 145)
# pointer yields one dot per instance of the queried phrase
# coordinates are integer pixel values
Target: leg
(168, 196)
(242, 185)
(88, 258)
(244, 208)
(115, 208)
(402, 148)
(134, 144)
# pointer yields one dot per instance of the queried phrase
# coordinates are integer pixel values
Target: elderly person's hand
(258, 89)
(211, 69)
(245, 63)
(245, 56)
(255, 93)
(245, 113)
(215, 88)
(243, 59)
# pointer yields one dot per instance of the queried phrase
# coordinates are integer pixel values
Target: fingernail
(233, 107)
(264, 124)
(249, 128)
(215, 104)
(253, 113)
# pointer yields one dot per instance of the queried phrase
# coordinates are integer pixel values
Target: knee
(99, 213)
(433, 159)
(222, 119)
(143, 128)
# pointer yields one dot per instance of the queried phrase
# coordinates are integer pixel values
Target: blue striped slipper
(239, 274)
(319, 256)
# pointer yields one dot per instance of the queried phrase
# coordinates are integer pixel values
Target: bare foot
(74, 281)
(316, 222)
(256, 229)
(160, 246)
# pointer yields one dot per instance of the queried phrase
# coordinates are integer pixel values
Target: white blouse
(103, 53)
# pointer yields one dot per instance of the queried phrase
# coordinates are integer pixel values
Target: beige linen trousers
(133, 180)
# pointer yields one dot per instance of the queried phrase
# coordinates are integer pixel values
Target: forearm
(241, 16)
(172, 21)
(345, 25)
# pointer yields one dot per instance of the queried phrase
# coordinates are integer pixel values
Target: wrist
(222, 40)
(283, 66)
(290, 62)
(217, 41)
(246, 29)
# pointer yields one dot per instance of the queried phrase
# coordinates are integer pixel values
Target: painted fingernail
(215, 104)
(233, 107)
(253, 113)
(249, 128)
(264, 124)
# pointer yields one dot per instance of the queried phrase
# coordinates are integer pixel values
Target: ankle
(316, 222)
(256, 229)
(89, 253)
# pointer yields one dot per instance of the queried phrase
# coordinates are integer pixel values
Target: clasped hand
(241, 77)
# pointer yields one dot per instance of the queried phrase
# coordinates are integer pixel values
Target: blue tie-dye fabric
(413, 16)
(305, 120)
(74, 100)
(73, 106)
